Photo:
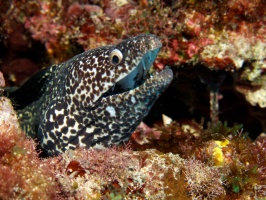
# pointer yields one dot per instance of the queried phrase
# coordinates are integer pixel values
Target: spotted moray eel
(96, 99)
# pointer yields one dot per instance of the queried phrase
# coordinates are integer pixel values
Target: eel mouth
(137, 76)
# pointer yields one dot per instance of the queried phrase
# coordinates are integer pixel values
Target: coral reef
(22, 173)
(222, 35)
(124, 174)
(178, 160)
(170, 161)
(202, 179)
(219, 146)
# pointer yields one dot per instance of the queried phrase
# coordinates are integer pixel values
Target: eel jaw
(118, 115)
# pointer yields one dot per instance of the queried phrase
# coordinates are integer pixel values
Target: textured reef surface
(171, 161)
(212, 145)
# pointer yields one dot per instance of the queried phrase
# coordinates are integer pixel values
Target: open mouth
(137, 77)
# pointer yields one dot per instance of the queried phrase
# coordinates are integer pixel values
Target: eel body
(96, 99)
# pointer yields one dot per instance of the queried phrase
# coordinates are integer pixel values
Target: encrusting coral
(225, 148)
(172, 161)
(124, 174)
(221, 35)
(22, 173)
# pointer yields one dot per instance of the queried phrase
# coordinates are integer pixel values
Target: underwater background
(203, 139)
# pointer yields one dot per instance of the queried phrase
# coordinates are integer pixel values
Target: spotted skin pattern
(76, 108)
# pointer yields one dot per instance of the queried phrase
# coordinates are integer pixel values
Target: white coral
(257, 98)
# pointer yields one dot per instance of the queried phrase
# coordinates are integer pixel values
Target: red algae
(198, 27)
(22, 173)
(222, 148)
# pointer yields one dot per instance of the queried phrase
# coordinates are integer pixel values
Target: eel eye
(116, 56)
